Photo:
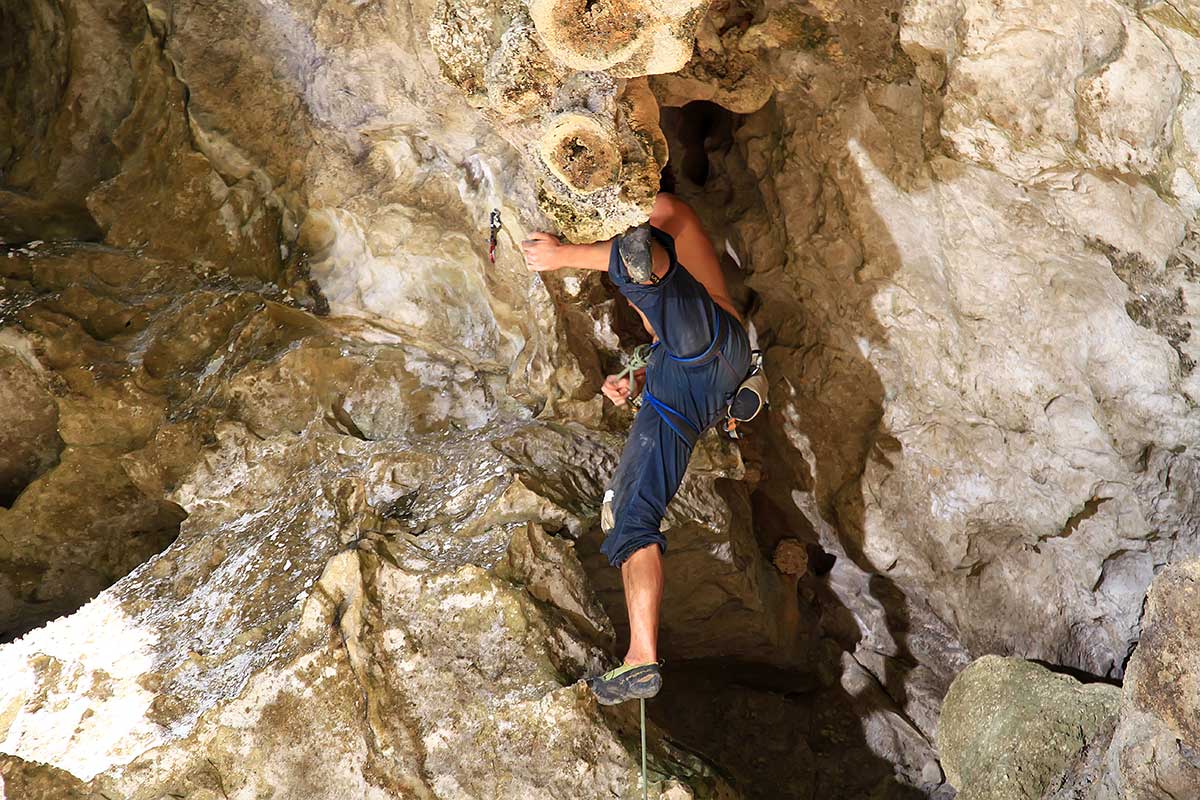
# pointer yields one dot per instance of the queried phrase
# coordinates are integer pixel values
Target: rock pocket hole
(693, 131)
(29, 440)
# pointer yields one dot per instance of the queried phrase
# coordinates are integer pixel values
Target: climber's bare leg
(642, 575)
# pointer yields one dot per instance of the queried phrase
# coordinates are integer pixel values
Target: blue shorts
(701, 357)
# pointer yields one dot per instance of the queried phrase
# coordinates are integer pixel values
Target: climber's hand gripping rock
(543, 252)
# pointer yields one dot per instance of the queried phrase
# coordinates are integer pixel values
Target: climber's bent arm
(693, 247)
(545, 253)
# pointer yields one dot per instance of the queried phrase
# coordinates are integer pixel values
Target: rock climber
(699, 357)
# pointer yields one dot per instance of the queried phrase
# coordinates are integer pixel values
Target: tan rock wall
(963, 231)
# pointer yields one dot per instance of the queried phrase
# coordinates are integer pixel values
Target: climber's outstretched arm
(544, 253)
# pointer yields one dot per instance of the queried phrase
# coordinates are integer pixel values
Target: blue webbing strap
(666, 412)
(716, 342)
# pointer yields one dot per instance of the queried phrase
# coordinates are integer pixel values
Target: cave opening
(73, 520)
(44, 177)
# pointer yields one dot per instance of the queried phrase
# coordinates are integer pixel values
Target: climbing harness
(750, 397)
(683, 427)
(494, 230)
(746, 403)
(642, 702)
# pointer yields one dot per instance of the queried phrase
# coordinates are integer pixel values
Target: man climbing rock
(670, 273)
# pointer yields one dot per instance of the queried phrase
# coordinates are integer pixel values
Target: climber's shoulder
(672, 214)
(666, 204)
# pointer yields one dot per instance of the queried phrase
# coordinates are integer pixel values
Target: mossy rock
(1009, 727)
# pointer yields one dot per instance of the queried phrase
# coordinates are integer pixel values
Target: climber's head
(666, 179)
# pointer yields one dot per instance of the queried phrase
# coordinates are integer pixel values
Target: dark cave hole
(697, 130)
(39, 592)
(1080, 675)
(400, 508)
(820, 562)
(694, 131)
(9, 492)
(774, 732)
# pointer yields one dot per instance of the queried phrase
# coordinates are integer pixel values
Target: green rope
(638, 358)
(643, 704)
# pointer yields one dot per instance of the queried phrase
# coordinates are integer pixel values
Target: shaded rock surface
(300, 491)
(32, 781)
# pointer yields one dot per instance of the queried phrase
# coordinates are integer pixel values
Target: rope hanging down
(642, 702)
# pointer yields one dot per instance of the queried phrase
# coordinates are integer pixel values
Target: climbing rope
(642, 702)
(637, 359)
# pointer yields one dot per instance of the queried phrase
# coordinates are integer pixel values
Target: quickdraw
(494, 226)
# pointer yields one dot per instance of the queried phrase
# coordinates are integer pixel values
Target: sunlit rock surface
(298, 491)
(332, 578)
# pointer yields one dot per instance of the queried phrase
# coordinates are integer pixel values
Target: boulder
(1009, 727)
(1155, 751)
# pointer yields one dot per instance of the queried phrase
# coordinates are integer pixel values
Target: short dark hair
(666, 179)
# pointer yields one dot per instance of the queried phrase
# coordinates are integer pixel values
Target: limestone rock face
(1029, 88)
(725, 68)
(30, 443)
(299, 491)
(329, 599)
(1000, 345)
(20, 778)
(633, 37)
(1009, 728)
(592, 138)
(67, 88)
(563, 81)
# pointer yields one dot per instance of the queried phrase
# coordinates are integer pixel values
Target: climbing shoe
(627, 682)
(634, 247)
